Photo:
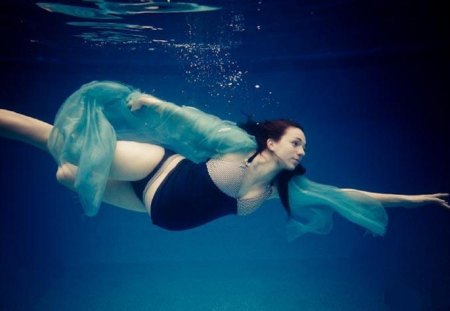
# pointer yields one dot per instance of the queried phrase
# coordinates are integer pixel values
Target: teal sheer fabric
(93, 118)
(312, 206)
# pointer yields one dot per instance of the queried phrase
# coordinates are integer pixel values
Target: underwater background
(368, 80)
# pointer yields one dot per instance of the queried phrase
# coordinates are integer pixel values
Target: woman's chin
(291, 167)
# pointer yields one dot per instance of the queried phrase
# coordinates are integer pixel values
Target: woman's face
(290, 148)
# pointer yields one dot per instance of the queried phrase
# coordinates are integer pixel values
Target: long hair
(274, 129)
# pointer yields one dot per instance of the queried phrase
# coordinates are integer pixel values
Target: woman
(186, 168)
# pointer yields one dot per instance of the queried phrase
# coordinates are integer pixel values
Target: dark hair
(274, 129)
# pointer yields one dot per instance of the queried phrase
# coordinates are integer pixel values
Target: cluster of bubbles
(211, 67)
(206, 56)
(209, 64)
(237, 23)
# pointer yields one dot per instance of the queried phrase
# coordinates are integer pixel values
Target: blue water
(368, 81)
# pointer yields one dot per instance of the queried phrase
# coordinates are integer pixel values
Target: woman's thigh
(121, 194)
(134, 160)
(117, 193)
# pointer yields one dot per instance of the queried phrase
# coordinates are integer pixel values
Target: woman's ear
(270, 144)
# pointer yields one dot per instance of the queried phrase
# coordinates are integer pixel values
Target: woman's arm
(191, 132)
(141, 100)
(401, 200)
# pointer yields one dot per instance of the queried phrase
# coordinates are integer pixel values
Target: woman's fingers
(134, 104)
(440, 195)
(441, 199)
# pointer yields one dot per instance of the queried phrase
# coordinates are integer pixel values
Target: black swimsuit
(187, 197)
(139, 185)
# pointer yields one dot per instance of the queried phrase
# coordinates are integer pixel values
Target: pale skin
(134, 160)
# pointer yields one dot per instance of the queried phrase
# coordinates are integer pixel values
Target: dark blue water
(368, 81)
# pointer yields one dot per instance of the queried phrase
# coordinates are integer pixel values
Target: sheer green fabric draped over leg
(93, 118)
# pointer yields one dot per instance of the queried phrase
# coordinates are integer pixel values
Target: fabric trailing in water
(312, 206)
(93, 118)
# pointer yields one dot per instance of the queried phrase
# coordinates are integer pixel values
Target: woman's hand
(439, 199)
(402, 200)
(137, 102)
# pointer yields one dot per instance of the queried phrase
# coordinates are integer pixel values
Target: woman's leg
(21, 127)
(132, 160)
(117, 193)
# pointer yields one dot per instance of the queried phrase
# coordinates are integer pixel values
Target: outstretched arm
(401, 200)
(312, 205)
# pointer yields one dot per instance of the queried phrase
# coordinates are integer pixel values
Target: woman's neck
(265, 167)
